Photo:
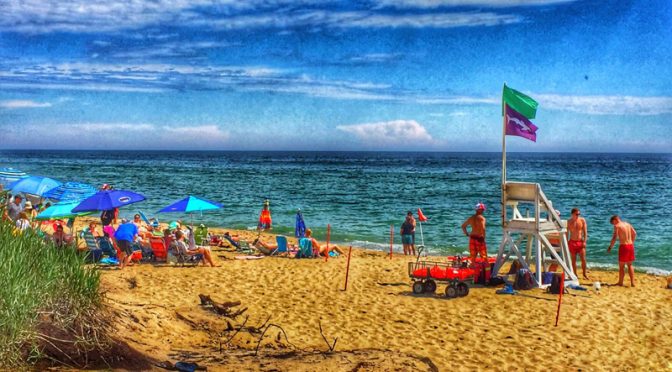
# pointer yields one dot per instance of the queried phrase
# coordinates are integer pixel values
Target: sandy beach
(379, 324)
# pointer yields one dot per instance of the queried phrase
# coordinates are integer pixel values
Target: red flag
(421, 217)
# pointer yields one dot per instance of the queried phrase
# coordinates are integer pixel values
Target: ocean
(360, 194)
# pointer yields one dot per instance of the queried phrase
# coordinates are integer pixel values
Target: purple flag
(519, 125)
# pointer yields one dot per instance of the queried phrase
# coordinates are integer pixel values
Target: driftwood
(332, 346)
(223, 308)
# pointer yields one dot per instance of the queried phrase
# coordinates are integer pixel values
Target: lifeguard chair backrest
(521, 191)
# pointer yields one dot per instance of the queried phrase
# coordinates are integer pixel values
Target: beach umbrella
(9, 175)
(70, 191)
(299, 226)
(61, 210)
(107, 200)
(191, 204)
(33, 185)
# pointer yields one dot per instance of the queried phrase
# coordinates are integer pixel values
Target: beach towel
(248, 257)
(305, 248)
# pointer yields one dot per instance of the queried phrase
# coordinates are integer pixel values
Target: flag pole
(503, 158)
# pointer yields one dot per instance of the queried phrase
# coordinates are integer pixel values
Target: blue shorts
(407, 239)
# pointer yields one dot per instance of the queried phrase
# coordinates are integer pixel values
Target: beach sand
(379, 323)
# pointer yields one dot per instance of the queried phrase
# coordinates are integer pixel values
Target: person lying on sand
(182, 246)
(322, 249)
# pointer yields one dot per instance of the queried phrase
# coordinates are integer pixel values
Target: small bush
(50, 304)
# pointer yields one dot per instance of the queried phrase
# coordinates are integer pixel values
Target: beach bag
(523, 280)
(483, 270)
(556, 282)
(495, 281)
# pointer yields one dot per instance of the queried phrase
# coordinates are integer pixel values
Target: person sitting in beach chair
(321, 250)
(263, 247)
(181, 250)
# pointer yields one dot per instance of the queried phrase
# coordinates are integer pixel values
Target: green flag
(523, 104)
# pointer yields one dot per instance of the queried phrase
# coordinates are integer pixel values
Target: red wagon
(455, 273)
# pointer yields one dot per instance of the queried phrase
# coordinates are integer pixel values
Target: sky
(371, 75)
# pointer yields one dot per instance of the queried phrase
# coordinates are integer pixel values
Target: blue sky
(323, 75)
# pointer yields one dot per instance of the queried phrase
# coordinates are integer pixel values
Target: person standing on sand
(626, 235)
(477, 236)
(577, 235)
(407, 230)
(125, 235)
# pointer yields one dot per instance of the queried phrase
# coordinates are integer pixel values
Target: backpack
(556, 282)
(523, 280)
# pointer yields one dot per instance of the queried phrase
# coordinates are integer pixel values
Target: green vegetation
(50, 304)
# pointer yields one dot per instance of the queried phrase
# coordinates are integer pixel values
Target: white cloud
(398, 133)
(428, 4)
(20, 104)
(606, 105)
(98, 16)
(117, 135)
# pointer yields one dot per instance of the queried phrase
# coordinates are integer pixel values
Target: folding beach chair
(158, 247)
(94, 253)
(180, 256)
(282, 245)
(108, 247)
(305, 248)
(201, 235)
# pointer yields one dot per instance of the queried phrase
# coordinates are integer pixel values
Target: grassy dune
(50, 305)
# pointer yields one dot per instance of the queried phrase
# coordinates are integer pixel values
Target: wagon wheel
(462, 289)
(418, 287)
(430, 286)
(451, 291)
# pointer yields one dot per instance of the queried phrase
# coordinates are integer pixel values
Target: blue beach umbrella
(61, 210)
(107, 200)
(191, 204)
(9, 175)
(300, 226)
(33, 185)
(70, 191)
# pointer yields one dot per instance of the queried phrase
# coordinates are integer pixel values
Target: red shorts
(477, 247)
(576, 246)
(626, 253)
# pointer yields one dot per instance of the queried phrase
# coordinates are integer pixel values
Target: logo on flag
(519, 125)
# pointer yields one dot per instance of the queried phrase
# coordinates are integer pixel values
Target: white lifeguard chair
(538, 231)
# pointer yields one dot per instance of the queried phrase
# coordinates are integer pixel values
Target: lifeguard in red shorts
(577, 235)
(477, 235)
(626, 235)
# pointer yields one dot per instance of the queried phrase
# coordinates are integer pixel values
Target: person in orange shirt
(477, 244)
(577, 235)
(626, 236)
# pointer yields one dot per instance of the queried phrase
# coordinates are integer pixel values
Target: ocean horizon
(361, 193)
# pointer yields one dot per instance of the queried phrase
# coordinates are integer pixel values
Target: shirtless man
(477, 235)
(577, 234)
(626, 249)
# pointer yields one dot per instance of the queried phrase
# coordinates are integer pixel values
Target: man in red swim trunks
(477, 236)
(577, 234)
(626, 249)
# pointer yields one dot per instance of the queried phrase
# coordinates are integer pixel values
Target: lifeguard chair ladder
(536, 230)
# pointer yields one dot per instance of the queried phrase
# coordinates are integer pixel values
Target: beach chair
(201, 235)
(281, 240)
(159, 250)
(108, 247)
(305, 249)
(94, 253)
(181, 257)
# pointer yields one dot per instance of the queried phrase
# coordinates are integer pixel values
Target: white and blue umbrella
(33, 185)
(191, 204)
(70, 191)
(9, 175)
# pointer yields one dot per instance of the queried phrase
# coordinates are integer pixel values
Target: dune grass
(49, 301)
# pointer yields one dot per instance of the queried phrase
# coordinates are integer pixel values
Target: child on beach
(626, 236)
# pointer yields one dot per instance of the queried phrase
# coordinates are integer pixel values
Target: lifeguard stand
(537, 230)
